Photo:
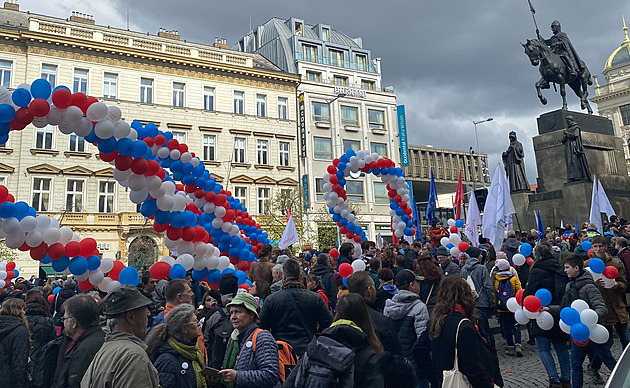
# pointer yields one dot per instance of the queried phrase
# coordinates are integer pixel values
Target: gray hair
(178, 320)
(277, 268)
(113, 322)
(69, 284)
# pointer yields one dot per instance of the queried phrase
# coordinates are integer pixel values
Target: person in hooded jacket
(387, 289)
(14, 343)
(326, 274)
(483, 288)
(352, 329)
(40, 323)
(66, 292)
(547, 273)
(511, 331)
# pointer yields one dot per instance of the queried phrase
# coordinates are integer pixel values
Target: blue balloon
(199, 275)
(345, 281)
(124, 146)
(20, 210)
(242, 276)
(570, 316)
(587, 245)
(544, 295)
(214, 276)
(177, 271)
(56, 290)
(107, 146)
(62, 87)
(449, 245)
(78, 265)
(149, 208)
(40, 88)
(525, 249)
(7, 113)
(7, 209)
(459, 223)
(46, 260)
(16, 273)
(136, 125)
(61, 263)
(596, 264)
(139, 148)
(91, 137)
(93, 262)
(580, 332)
(408, 231)
(394, 205)
(21, 97)
(228, 271)
(129, 275)
(248, 282)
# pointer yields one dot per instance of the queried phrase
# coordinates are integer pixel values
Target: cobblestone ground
(528, 371)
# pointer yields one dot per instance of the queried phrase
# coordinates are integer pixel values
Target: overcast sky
(450, 62)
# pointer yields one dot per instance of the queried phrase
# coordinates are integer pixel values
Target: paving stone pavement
(528, 371)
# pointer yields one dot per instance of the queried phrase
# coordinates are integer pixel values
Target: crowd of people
(412, 314)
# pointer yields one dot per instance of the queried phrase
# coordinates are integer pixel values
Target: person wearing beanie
(480, 277)
(502, 255)
(446, 263)
(217, 344)
(505, 286)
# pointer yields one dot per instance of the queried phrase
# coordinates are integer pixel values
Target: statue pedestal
(521, 203)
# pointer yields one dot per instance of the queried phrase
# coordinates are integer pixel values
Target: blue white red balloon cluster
(580, 321)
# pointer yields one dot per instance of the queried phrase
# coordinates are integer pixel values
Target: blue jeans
(624, 337)
(578, 354)
(543, 347)
(511, 330)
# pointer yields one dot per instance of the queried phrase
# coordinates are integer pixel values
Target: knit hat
(246, 300)
(503, 265)
(501, 255)
(473, 252)
(281, 259)
(228, 284)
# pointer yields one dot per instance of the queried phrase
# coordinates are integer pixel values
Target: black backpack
(326, 364)
(222, 331)
(43, 364)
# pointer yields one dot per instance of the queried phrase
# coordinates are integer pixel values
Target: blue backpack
(505, 291)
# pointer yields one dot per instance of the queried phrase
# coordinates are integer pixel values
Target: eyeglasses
(63, 319)
(195, 323)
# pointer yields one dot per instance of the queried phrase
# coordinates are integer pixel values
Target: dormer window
(326, 34)
(298, 28)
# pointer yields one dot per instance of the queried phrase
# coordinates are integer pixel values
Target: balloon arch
(210, 229)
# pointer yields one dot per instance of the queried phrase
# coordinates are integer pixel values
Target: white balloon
(83, 127)
(545, 320)
(200, 263)
(121, 129)
(75, 237)
(589, 318)
(104, 284)
(163, 152)
(580, 305)
(358, 265)
(165, 203)
(137, 182)
(104, 129)
(226, 227)
(217, 223)
(34, 239)
(185, 247)
(55, 116)
(213, 262)
(186, 260)
(2, 283)
(153, 183)
(73, 114)
(54, 223)
(133, 134)
(113, 114)
(455, 251)
(451, 222)
(224, 262)
(3, 266)
(112, 285)
(106, 265)
(512, 304)
(220, 211)
(168, 259)
(5, 95)
(40, 122)
(139, 196)
(14, 240)
(186, 157)
(66, 235)
(97, 111)
(43, 222)
(24, 86)
(122, 175)
(209, 208)
(530, 314)
(82, 277)
(28, 224)
(170, 244)
(169, 187)
(599, 334)
(96, 277)
(3, 275)
(518, 259)
(444, 241)
(179, 203)
(11, 225)
(52, 235)
(519, 316)
(175, 154)
(454, 239)
(157, 193)
(65, 128)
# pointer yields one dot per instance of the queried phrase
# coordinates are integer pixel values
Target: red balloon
(23, 116)
(39, 107)
(10, 266)
(159, 270)
(590, 253)
(334, 179)
(85, 285)
(244, 286)
(242, 265)
(79, 100)
(56, 250)
(333, 253)
(139, 166)
(73, 248)
(3, 193)
(611, 272)
(529, 261)
(182, 148)
(453, 229)
(50, 298)
(519, 296)
(10, 198)
(39, 252)
(345, 270)
(188, 233)
(152, 168)
(357, 238)
(160, 140)
(331, 169)
(160, 228)
(88, 245)
(172, 144)
(174, 233)
(581, 344)
(532, 303)
(123, 162)
(10, 275)
(62, 98)
(108, 157)
(114, 272)
(24, 247)
(463, 246)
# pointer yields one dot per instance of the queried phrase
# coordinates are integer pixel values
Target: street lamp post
(478, 150)
(472, 169)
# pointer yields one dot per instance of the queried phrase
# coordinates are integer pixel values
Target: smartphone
(210, 372)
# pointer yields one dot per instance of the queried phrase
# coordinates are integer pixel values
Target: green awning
(50, 272)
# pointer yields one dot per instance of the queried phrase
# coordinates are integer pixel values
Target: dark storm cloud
(450, 62)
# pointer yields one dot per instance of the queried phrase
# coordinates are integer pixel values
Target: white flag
(596, 216)
(498, 206)
(473, 220)
(290, 234)
(604, 203)
(379, 240)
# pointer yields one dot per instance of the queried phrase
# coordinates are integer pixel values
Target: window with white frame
(379, 148)
(319, 189)
(110, 85)
(354, 191)
(380, 193)
(41, 194)
(322, 148)
(74, 196)
(44, 138)
(208, 98)
(49, 73)
(262, 152)
(285, 149)
(146, 90)
(178, 94)
(376, 119)
(240, 193)
(282, 107)
(350, 115)
(261, 105)
(179, 136)
(76, 144)
(5, 73)
(239, 102)
(209, 147)
(106, 196)
(263, 200)
(80, 81)
(353, 145)
(239, 150)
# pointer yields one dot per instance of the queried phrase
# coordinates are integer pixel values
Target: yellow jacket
(516, 285)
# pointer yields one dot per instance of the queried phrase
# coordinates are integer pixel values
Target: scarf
(292, 284)
(346, 322)
(192, 353)
(231, 354)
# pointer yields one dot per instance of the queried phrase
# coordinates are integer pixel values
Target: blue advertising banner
(402, 135)
(307, 202)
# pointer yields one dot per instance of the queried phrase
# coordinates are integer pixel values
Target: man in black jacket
(84, 339)
(326, 274)
(293, 314)
(361, 283)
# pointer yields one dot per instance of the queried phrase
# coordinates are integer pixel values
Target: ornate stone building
(235, 110)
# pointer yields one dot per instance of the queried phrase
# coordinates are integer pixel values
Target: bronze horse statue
(554, 70)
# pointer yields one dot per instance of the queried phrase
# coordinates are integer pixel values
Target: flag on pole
(473, 220)
(531, 7)
(290, 234)
(498, 206)
(430, 215)
(539, 224)
(596, 216)
(604, 203)
(414, 213)
(459, 198)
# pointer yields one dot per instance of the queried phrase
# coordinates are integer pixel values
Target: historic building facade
(342, 105)
(237, 111)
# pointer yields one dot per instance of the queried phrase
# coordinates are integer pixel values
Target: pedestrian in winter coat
(262, 268)
(483, 288)
(511, 331)
(346, 253)
(326, 274)
(446, 262)
(40, 324)
(66, 292)
(315, 285)
(173, 349)
(352, 329)
(623, 253)
(386, 291)
(453, 329)
(14, 343)
(251, 359)
(431, 276)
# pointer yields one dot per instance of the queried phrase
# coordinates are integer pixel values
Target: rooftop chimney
(220, 43)
(168, 34)
(12, 4)
(80, 17)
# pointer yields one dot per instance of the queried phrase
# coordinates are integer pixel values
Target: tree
(6, 253)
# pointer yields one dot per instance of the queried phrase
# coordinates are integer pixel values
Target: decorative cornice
(211, 163)
(77, 170)
(243, 165)
(105, 173)
(263, 134)
(263, 167)
(6, 151)
(287, 137)
(242, 179)
(187, 127)
(217, 177)
(36, 151)
(6, 169)
(240, 132)
(285, 168)
(43, 168)
(287, 182)
(210, 129)
(85, 155)
(145, 122)
(265, 181)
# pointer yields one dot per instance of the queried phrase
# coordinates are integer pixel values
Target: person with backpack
(14, 343)
(480, 277)
(251, 359)
(40, 324)
(326, 275)
(344, 355)
(218, 326)
(505, 286)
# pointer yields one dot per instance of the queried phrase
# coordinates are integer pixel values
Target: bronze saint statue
(514, 166)
(577, 166)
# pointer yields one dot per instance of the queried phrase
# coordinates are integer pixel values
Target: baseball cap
(404, 277)
(122, 299)
(246, 300)
(442, 251)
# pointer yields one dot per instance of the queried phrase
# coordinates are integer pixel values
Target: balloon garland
(337, 198)
(206, 225)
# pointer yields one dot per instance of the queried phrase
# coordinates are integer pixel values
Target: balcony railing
(343, 64)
